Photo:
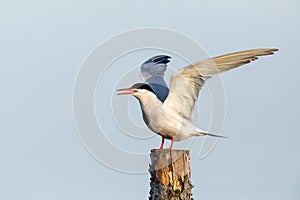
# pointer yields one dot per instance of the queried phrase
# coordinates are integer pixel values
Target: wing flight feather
(186, 83)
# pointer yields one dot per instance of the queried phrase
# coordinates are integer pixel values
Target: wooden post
(170, 175)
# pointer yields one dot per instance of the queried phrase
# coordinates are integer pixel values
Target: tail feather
(209, 134)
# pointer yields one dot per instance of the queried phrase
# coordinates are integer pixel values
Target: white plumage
(172, 119)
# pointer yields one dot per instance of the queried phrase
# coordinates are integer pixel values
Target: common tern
(168, 112)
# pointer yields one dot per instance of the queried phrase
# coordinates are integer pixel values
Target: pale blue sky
(43, 45)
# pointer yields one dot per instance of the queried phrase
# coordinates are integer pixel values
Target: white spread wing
(186, 83)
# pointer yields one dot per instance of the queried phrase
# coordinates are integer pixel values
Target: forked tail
(209, 134)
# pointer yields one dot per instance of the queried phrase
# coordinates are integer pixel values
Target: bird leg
(172, 142)
(162, 144)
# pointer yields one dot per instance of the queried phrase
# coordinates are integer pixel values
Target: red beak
(126, 91)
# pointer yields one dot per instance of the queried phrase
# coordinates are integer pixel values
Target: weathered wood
(170, 175)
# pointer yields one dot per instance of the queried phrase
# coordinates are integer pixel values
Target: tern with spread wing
(168, 112)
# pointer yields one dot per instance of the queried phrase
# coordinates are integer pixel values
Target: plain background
(43, 45)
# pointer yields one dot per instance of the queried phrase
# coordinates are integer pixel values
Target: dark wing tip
(154, 66)
(159, 59)
(272, 50)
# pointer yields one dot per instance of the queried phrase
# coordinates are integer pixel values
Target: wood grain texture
(170, 175)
